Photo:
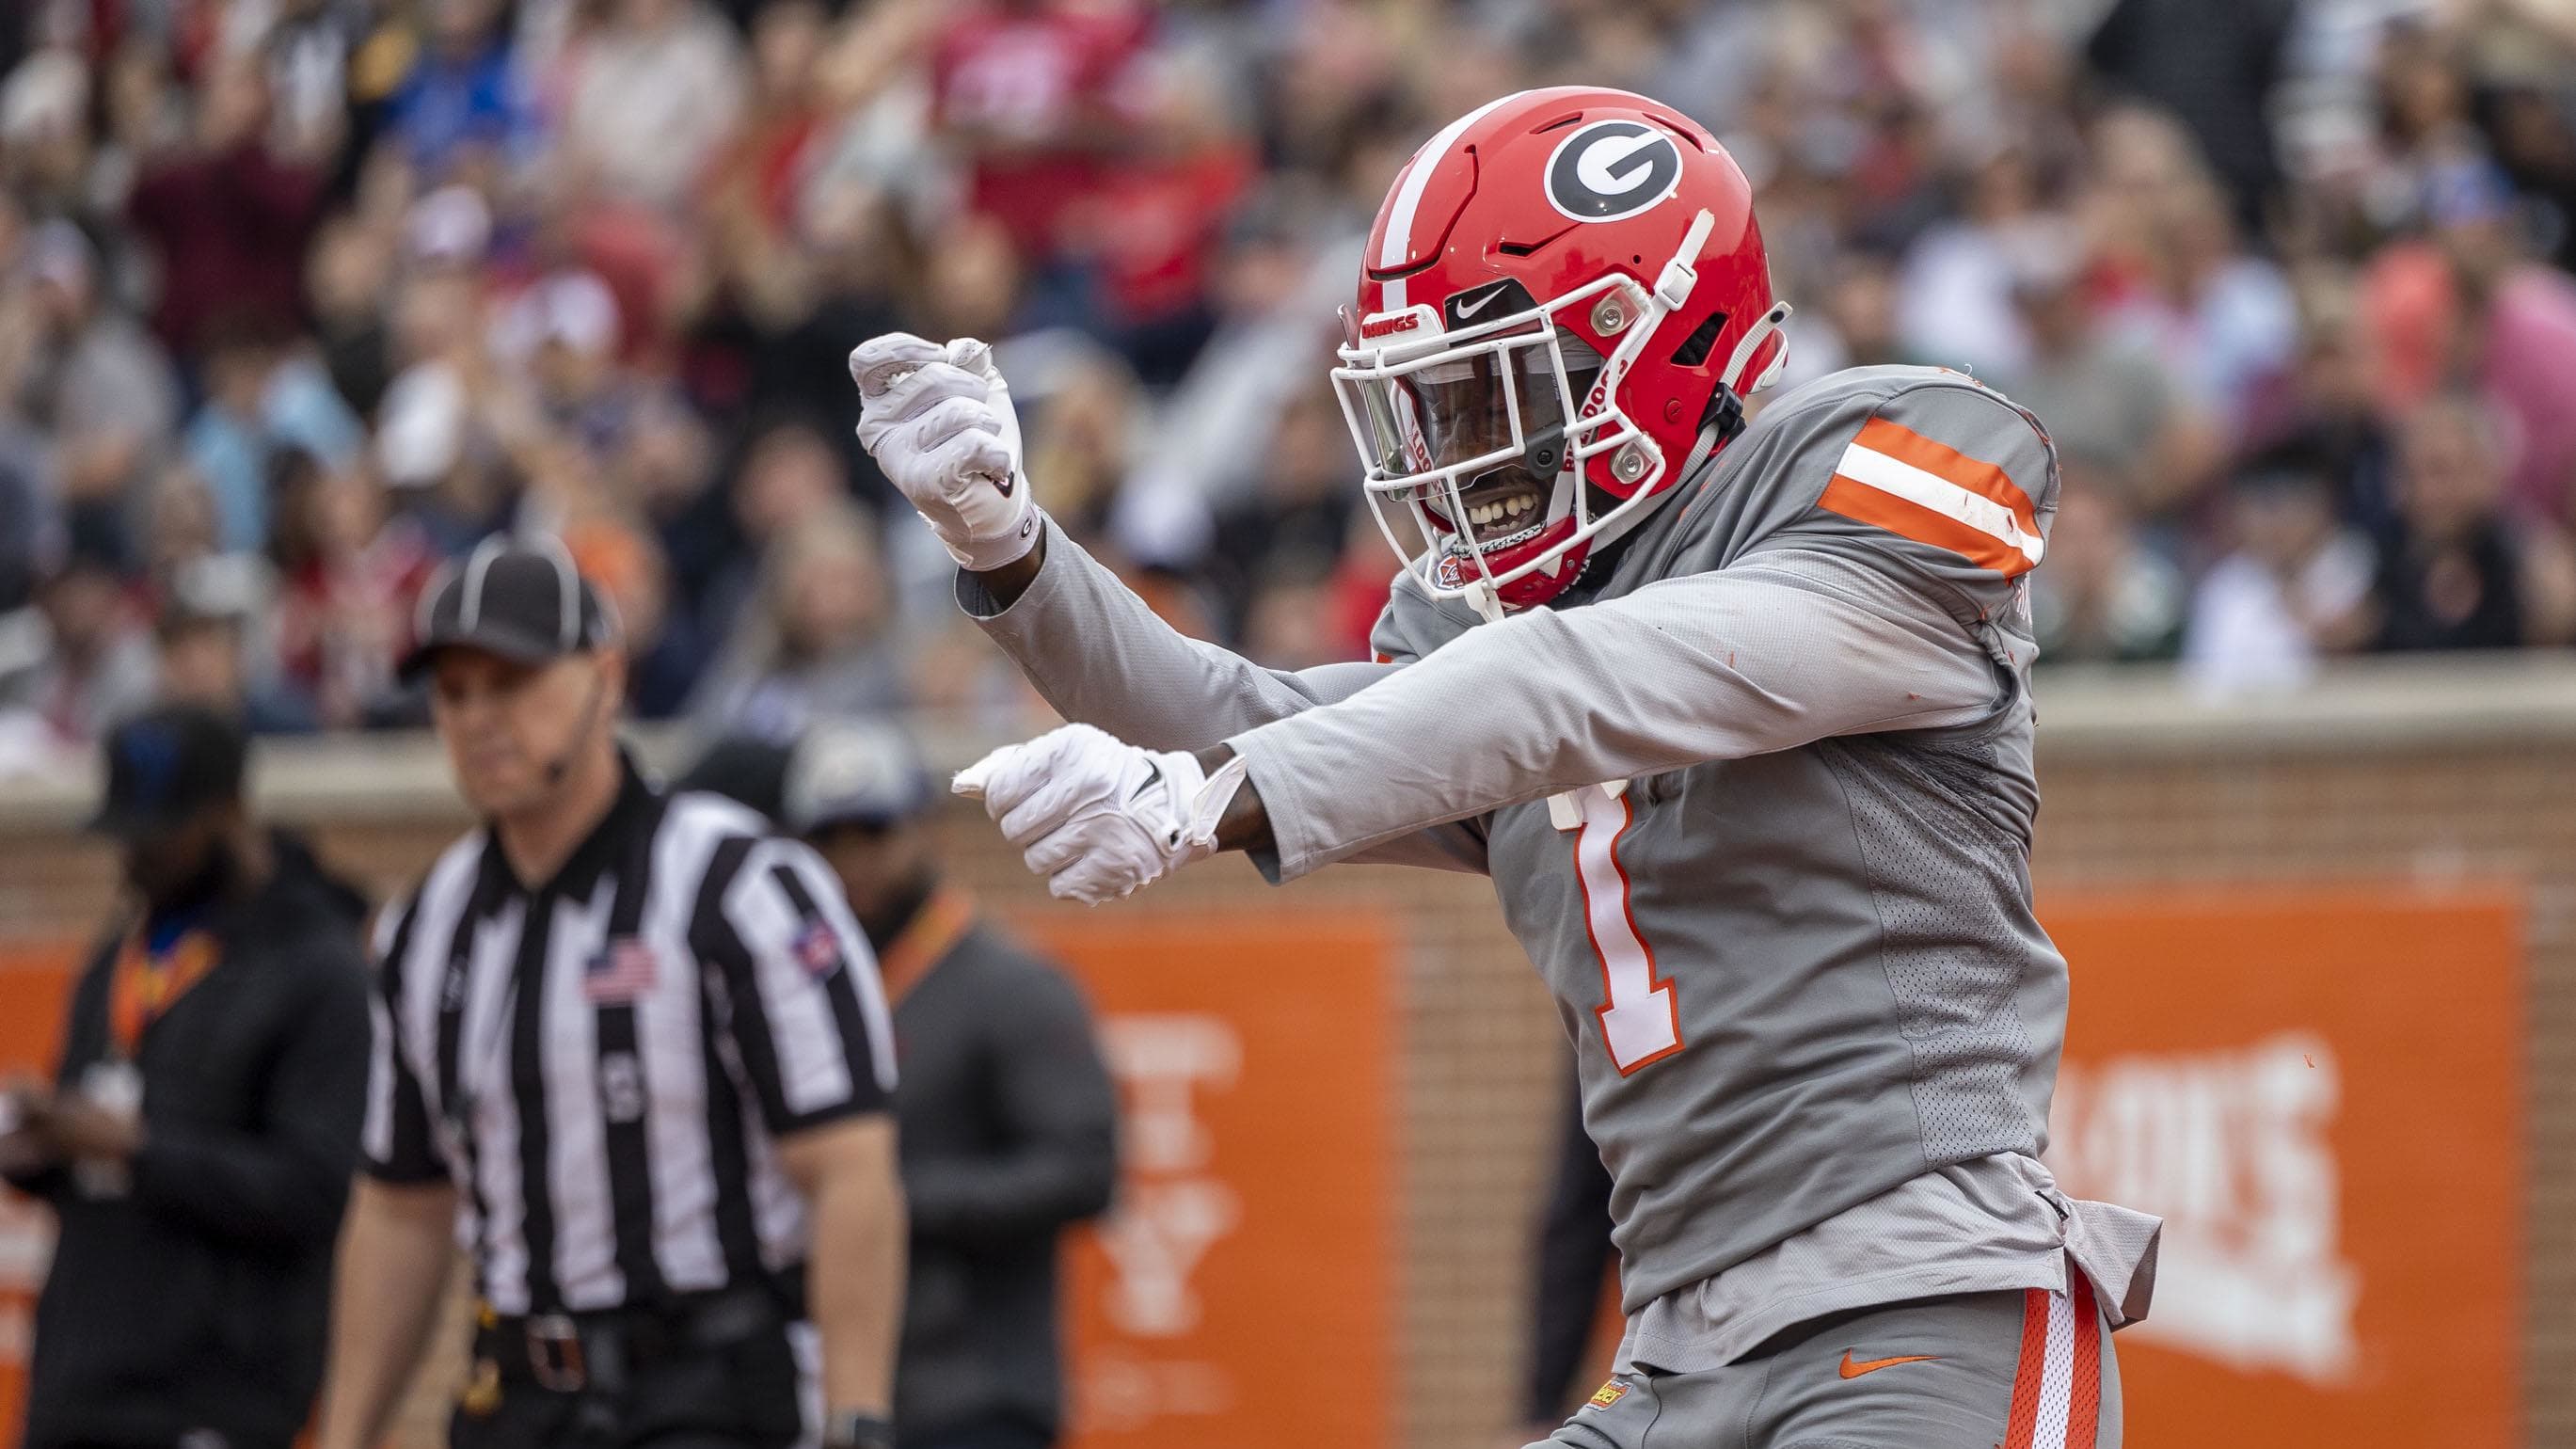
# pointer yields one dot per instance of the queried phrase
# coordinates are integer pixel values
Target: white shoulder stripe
(1901, 479)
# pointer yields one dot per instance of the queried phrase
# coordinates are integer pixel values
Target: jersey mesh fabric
(1952, 958)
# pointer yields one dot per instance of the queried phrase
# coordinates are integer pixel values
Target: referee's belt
(600, 1352)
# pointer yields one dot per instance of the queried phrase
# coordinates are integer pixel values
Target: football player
(1736, 716)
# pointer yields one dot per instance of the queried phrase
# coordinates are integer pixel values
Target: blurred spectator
(972, 285)
(262, 401)
(438, 456)
(2097, 394)
(1152, 227)
(229, 218)
(206, 635)
(659, 86)
(461, 97)
(196, 1142)
(593, 266)
(2456, 575)
(96, 664)
(2222, 324)
(346, 285)
(2212, 63)
(1289, 624)
(2110, 597)
(2325, 408)
(307, 53)
(812, 645)
(1293, 523)
(181, 528)
(348, 571)
(562, 334)
(93, 379)
(789, 477)
(1080, 438)
(2466, 306)
(1853, 326)
(663, 650)
(1956, 285)
(2291, 592)
(856, 251)
(1025, 94)
(1277, 291)
(28, 525)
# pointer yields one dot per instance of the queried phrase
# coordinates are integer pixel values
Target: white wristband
(1213, 797)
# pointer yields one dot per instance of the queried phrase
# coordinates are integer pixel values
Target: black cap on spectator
(854, 772)
(519, 599)
(744, 769)
(167, 764)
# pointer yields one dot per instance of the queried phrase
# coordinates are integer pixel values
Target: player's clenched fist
(1097, 816)
(938, 420)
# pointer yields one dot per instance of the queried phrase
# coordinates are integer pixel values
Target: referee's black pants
(745, 1396)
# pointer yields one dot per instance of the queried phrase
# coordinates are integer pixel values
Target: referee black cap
(521, 599)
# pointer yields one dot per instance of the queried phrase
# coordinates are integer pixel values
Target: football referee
(632, 1050)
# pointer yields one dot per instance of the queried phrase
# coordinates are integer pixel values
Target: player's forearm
(1712, 667)
(1100, 656)
(395, 1254)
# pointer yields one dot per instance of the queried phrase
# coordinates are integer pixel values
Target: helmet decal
(1611, 170)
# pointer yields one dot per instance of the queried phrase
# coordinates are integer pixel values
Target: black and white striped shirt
(632, 1038)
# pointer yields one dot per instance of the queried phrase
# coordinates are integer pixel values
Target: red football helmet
(1564, 302)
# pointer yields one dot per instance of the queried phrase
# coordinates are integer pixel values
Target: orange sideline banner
(35, 988)
(2321, 1092)
(1241, 1292)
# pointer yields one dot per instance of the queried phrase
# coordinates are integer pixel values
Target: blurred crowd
(300, 297)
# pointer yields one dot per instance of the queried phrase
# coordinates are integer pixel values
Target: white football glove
(938, 420)
(1097, 816)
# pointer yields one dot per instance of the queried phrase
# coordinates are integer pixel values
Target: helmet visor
(1496, 402)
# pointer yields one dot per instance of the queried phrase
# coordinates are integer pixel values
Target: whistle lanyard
(145, 985)
(943, 919)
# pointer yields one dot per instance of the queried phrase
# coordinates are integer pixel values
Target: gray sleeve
(1101, 657)
(1781, 650)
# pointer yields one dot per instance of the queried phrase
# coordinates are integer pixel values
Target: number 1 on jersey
(1641, 1019)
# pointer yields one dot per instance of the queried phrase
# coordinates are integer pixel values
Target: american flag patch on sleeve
(1894, 478)
(623, 971)
(818, 950)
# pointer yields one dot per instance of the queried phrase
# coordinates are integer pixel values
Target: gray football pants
(2029, 1370)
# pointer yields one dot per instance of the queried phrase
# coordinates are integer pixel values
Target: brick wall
(2392, 775)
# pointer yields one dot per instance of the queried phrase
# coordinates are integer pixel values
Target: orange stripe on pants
(2034, 1358)
(2084, 1395)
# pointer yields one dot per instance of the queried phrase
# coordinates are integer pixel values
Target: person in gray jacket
(1735, 714)
(1007, 1116)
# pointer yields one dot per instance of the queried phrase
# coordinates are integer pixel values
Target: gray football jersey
(1757, 801)
(1799, 978)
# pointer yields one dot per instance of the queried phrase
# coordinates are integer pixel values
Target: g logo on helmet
(1612, 170)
